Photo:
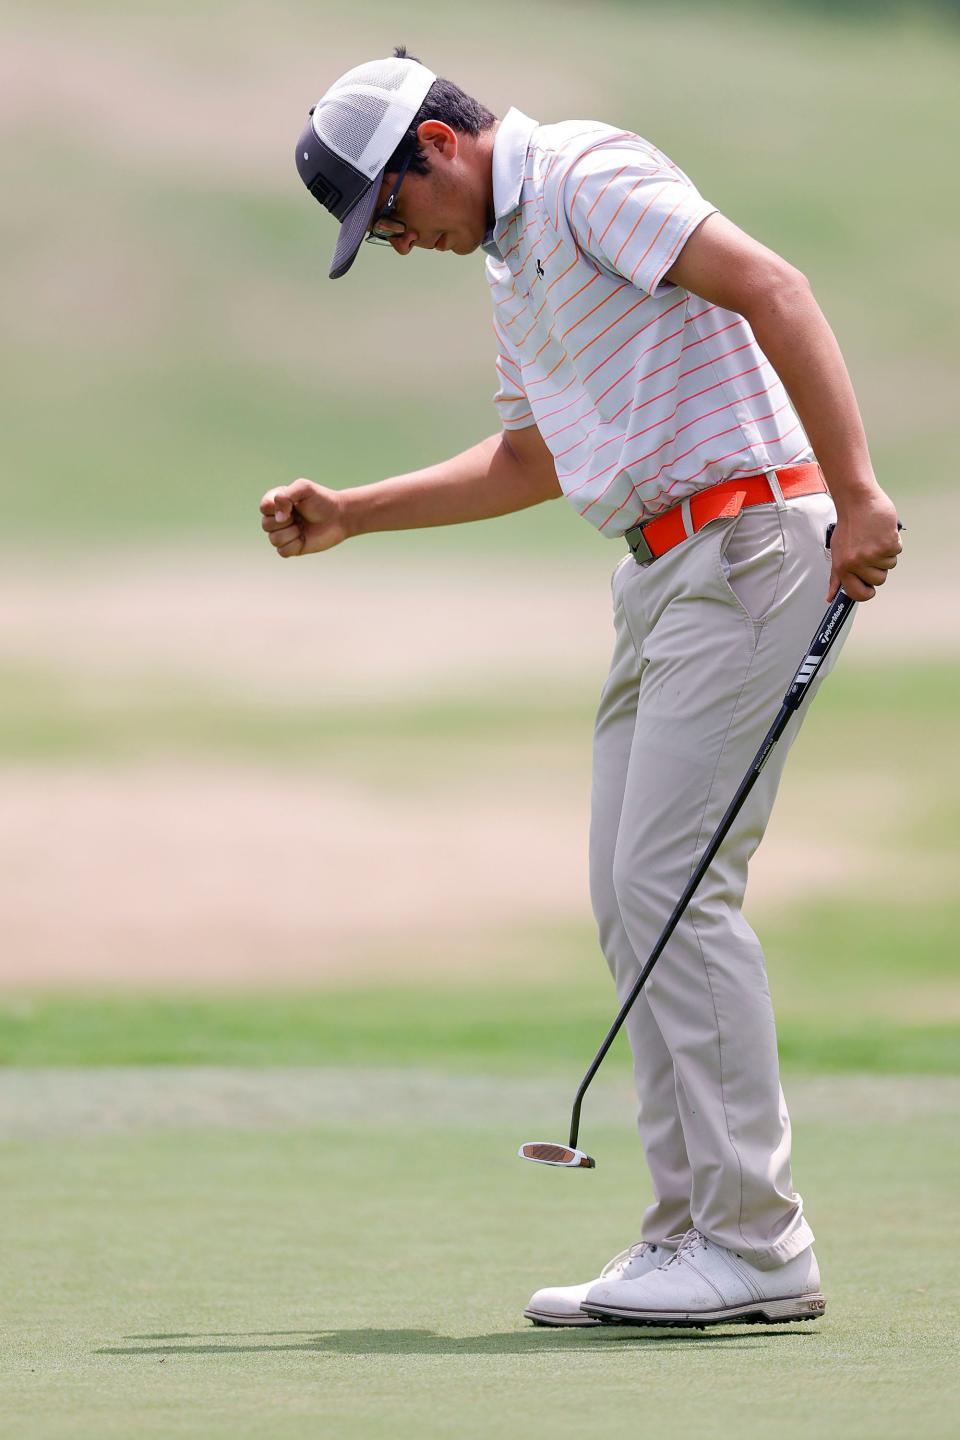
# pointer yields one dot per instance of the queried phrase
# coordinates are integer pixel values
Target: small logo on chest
(540, 270)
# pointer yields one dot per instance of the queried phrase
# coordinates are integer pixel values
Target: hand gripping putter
(836, 616)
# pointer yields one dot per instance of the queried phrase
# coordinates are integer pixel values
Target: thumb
(275, 503)
(286, 498)
(300, 490)
(270, 502)
(833, 587)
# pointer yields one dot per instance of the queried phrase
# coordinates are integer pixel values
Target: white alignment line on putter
(836, 616)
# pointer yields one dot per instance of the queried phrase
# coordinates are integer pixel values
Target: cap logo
(326, 192)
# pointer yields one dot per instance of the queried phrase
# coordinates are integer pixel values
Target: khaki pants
(707, 639)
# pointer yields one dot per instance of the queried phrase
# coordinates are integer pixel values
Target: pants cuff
(770, 1256)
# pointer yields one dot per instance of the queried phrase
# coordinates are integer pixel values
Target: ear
(437, 139)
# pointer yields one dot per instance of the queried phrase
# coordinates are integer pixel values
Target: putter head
(546, 1153)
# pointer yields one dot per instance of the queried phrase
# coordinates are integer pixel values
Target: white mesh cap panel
(381, 74)
(366, 112)
(347, 126)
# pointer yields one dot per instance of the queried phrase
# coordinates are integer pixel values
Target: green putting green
(345, 1253)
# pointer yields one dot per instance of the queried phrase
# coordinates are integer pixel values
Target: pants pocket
(750, 559)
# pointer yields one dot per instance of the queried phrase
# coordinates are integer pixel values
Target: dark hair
(444, 101)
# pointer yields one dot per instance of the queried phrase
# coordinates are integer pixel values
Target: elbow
(779, 294)
(791, 282)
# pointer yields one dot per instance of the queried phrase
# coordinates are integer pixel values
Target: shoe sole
(557, 1322)
(764, 1312)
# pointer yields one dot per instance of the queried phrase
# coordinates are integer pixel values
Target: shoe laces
(621, 1261)
(690, 1243)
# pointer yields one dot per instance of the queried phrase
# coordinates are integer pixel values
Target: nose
(404, 243)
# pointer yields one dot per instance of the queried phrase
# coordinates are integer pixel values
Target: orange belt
(724, 501)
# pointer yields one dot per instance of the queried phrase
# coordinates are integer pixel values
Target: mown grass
(857, 988)
(513, 1030)
(332, 1275)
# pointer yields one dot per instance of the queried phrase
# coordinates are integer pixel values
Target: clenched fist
(864, 547)
(302, 518)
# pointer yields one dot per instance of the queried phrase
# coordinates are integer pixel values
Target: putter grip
(830, 626)
(832, 623)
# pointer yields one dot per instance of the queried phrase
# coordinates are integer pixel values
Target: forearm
(487, 480)
(793, 333)
(730, 269)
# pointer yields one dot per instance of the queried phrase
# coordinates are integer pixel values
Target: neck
(484, 146)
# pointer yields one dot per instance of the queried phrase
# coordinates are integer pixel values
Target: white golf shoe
(560, 1304)
(704, 1284)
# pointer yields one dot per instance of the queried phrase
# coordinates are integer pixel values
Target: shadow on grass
(428, 1342)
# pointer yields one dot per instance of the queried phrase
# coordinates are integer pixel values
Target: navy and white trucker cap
(352, 132)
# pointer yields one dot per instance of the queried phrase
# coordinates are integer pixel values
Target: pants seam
(693, 926)
(639, 666)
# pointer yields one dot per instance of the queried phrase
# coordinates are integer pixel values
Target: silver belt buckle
(637, 545)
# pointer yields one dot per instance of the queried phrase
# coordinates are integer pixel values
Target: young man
(674, 380)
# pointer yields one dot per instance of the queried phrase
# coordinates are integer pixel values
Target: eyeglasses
(385, 228)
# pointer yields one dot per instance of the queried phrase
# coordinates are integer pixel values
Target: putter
(836, 616)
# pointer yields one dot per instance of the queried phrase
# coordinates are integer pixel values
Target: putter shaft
(836, 616)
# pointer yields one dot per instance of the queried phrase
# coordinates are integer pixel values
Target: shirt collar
(509, 164)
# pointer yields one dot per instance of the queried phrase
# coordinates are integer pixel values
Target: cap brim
(353, 230)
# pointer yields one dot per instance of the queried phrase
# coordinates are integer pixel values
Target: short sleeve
(631, 210)
(511, 401)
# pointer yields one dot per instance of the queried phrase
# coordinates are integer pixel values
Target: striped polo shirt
(643, 392)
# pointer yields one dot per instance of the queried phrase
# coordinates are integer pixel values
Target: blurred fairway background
(332, 813)
(372, 768)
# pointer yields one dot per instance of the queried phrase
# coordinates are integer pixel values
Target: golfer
(675, 381)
